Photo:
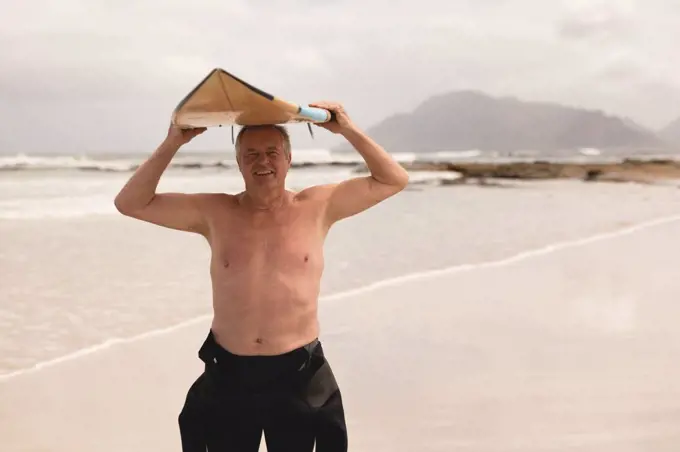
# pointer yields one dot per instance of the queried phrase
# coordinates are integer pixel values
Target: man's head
(263, 154)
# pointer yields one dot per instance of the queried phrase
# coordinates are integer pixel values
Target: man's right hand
(180, 136)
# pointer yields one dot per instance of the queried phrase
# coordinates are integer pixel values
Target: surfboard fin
(309, 126)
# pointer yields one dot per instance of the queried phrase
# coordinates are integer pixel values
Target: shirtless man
(264, 365)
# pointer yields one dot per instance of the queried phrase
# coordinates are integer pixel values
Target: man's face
(262, 158)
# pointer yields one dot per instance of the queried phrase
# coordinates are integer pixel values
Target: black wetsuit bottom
(293, 398)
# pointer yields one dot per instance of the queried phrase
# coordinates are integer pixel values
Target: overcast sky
(97, 75)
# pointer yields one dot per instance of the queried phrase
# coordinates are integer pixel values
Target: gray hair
(282, 130)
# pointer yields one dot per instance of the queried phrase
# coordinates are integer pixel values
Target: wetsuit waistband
(213, 353)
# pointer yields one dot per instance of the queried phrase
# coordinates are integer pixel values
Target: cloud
(131, 62)
(603, 21)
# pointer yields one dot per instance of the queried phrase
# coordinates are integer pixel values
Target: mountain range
(465, 120)
(671, 133)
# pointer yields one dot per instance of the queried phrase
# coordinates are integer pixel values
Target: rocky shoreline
(628, 170)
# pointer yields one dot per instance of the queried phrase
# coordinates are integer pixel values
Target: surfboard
(223, 99)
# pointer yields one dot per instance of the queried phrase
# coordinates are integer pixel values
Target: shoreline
(520, 256)
(633, 166)
(627, 170)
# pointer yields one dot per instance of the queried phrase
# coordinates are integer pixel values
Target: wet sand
(79, 282)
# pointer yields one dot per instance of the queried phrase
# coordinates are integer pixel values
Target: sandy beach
(531, 316)
(565, 347)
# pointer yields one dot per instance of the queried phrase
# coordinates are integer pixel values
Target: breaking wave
(127, 163)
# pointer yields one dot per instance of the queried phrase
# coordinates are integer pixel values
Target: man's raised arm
(138, 198)
(357, 194)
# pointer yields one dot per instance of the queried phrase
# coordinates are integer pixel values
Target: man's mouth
(264, 173)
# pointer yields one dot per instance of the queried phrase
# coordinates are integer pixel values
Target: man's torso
(266, 270)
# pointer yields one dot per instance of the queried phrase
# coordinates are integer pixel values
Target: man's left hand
(341, 123)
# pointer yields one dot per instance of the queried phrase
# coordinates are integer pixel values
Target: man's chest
(294, 241)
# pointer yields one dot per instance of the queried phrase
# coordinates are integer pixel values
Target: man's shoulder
(210, 200)
(315, 192)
